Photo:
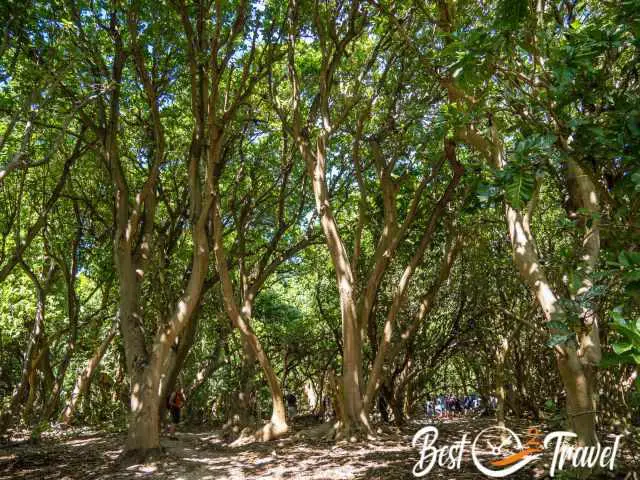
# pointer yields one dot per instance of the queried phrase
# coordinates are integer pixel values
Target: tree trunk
(355, 415)
(146, 370)
(70, 276)
(143, 435)
(401, 289)
(501, 352)
(24, 393)
(32, 389)
(578, 380)
(212, 363)
(241, 408)
(84, 379)
(397, 406)
(576, 364)
(240, 320)
(175, 361)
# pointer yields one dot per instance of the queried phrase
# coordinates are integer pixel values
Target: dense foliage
(351, 200)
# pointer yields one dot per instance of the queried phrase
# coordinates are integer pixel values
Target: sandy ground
(190, 454)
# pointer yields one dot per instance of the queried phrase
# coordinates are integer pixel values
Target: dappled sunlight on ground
(207, 455)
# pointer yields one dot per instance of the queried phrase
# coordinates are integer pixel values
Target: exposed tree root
(138, 456)
(269, 431)
(246, 437)
(236, 423)
(353, 433)
(325, 431)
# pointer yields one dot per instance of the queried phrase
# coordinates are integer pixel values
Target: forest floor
(197, 454)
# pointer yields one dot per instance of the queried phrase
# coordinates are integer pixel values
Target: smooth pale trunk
(578, 380)
(375, 378)
(144, 426)
(144, 429)
(577, 377)
(576, 365)
(30, 364)
(84, 379)
(397, 406)
(278, 414)
(240, 320)
(241, 407)
(354, 413)
(501, 353)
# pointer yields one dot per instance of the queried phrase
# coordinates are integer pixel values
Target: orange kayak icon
(533, 445)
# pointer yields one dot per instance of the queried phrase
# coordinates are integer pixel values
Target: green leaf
(630, 334)
(558, 325)
(558, 339)
(632, 276)
(576, 282)
(519, 188)
(622, 347)
(623, 260)
(633, 257)
(608, 360)
(632, 289)
(627, 358)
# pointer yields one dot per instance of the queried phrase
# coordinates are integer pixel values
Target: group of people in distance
(446, 406)
(440, 406)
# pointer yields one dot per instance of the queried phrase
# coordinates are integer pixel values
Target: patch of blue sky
(166, 100)
(296, 260)
(307, 219)
(258, 137)
(142, 156)
(5, 80)
(333, 173)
